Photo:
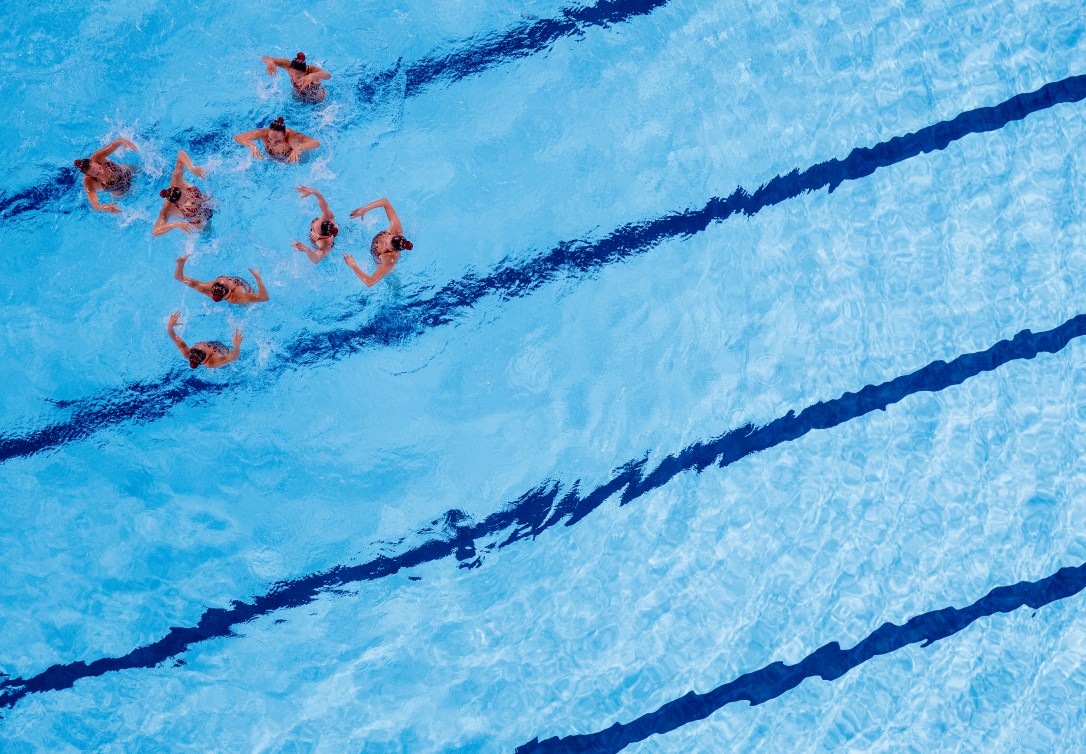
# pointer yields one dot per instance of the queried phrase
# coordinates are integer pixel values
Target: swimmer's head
(298, 63)
(196, 357)
(83, 165)
(218, 291)
(328, 228)
(278, 125)
(172, 194)
(399, 243)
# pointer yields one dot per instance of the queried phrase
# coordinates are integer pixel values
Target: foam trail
(468, 59)
(829, 662)
(549, 504)
(575, 259)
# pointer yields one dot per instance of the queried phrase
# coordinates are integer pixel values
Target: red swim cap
(300, 56)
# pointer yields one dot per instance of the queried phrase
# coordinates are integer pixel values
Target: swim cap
(278, 125)
(298, 63)
(83, 165)
(196, 357)
(329, 228)
(173, 194)
(218, 291)
(400, 243)
(300, 56)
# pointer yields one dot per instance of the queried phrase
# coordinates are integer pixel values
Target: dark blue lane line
(471, 58)
(829, 662)
(148, 400)
(549, 504)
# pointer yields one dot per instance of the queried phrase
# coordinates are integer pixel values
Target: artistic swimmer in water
(322, 230)
(233, 290)
(102, 174)
(386, 245)
(183, 200)
(280, 142)
(306, 79)
(211, 353)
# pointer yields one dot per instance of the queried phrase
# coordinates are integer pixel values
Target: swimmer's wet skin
(183, 200)
(280, 142)
(385, 247)
(306, 79)
(322, 230)
(212, 354)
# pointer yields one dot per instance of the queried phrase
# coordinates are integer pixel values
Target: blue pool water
(622, 456)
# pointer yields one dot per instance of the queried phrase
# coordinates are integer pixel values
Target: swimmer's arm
(179, 274)
(314, 72)
(162, 224)
(315, 255)
(92, 197)
(112, 147)
(300, 143)
(233, 355)
(246, 140)
(394, 225)
(272, 63)
(261, 290)
(326, 211)
(177, 340)
(382, 269)
(183, 161)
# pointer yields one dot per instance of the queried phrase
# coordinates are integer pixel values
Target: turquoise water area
(139, 497)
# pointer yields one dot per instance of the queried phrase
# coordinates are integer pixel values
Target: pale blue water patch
(117, 538)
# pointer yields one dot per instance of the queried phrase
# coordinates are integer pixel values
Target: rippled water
(542, 334)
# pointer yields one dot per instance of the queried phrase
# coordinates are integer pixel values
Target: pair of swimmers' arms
(386, 245)
(234, 290)
(210, 353)
(280, 142)
(183, 200)
(102, 174)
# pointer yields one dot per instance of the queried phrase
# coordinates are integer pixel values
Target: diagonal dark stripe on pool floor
(151, 399)
(481, 54)
(828, 662)
(548, 505)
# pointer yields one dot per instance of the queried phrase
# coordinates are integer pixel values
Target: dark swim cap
(83, 165)
(399, 243)
(329, 228)
(278, 125)
(196, 357)
(173, 193)
(218, 291)
(298, 63)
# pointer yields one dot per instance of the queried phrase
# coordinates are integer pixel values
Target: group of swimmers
(188, 209)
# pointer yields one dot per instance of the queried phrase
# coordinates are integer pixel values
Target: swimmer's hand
(187, 227)
(349, 260)
(175, 320)
(305, 191)
(128, 145)
(294, 155)
(237, 338)
(198, 171)
(111, 207)
(299, 246)
(269, 64)
(359, 213)
(256, 152)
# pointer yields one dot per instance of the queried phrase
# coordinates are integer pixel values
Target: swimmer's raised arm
(235, 353)
(183, 161)
(382, 269)
(326, 211)
(163, 225)
(273, 63)
(247, 139)
(112, 147)
(394, 226)
(261, 290)
(315, 255)
(177, 340)
(179, 274)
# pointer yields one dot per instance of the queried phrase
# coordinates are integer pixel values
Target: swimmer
(183, 200)
(385, 247)
(211, 353)
(234, 290)
(280, 142)
(306, 79)
(103, 174)
(322, 231)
